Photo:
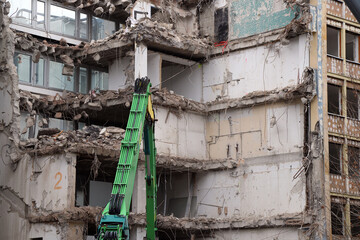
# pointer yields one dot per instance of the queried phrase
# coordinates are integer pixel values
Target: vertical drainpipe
(321, 78)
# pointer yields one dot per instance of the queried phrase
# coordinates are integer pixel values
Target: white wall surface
(181, 136)
(46, 231)
(258, 188)
(117, 70)
(258, 234)
(255, 69)
(246, 133)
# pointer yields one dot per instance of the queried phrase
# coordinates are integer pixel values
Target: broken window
(102, 28)
(99, 80)
(354, 162)
(20, 11)
(62, 20)
(57, 80)
(355, 220)
(23, 64)
(337, 219)
(352, 47)
(335, 153)
(28, 71)
(333, 41)
(352, 100)
(61, 124)
(221, 24)
(334, 99)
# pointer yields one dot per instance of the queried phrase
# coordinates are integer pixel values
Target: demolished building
(257, 108)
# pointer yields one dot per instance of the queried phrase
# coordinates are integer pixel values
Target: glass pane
(333, 41)
(99, 80)
(83, 80)
(61, 124)
(57, 80)
(102, 28)
(23, 64)
(20, 11)
(40, 14)
(62, 20)
(83, 26)
(39, 75)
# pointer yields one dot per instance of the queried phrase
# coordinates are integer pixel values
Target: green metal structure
(114, 221)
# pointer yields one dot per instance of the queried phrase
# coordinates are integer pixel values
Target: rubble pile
(119, 9)
(304, 91)
(78, 104)
(150, 32)
(56, 141)
(93, 215)
(62, 52)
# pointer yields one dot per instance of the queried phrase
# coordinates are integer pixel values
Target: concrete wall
(259, 188)
(53, 182)
(183, 80)
(118, 72)
(254, 132)
(257, 234)
(253, 17)
(44, 183)
(121, 71)
(180, 134)
(255, 69)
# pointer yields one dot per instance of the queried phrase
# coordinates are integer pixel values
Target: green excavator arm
(114, 223)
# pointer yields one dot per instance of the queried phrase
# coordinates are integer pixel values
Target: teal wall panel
(250, 17)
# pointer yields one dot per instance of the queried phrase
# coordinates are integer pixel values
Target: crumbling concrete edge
(93, 215)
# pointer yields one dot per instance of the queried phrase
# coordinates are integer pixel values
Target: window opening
(352, 46)
(335, 158)
(334, 99)
(57, 80)
(352, 100)
(23, 65)
(102, 28)
(40, 14)
(83, 25)
(354, 162)
(99, 80)
(62, 20)
(337, 216)
(83, 80)
(221, 24)
(21, 11)
(355, 220)
(333, 41)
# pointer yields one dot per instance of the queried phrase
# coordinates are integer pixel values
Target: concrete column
(139, 193)
(141, 53)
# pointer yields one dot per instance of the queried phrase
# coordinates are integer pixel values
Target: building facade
(257, 105)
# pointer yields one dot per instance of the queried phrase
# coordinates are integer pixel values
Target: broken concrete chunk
(30, 122)
(48, 131)
(84, 114)
(66, 59)
(36, 56)
(68, 70)
(77, 117)
(24, 130)
(58, 115)
(98, 10)
(96, 57)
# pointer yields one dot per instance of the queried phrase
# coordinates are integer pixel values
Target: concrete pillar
(141, 53)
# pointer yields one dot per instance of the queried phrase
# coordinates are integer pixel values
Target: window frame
(46, 29)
